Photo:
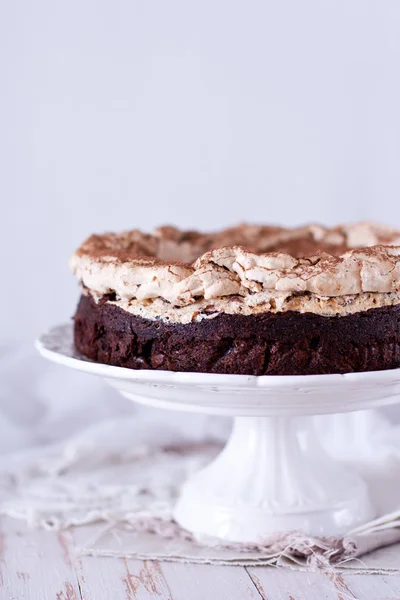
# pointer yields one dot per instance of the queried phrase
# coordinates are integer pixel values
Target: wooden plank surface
(40, 565)
(116, 578)
(373, 587)
(284, 584)
(35, 564)
(209, 582)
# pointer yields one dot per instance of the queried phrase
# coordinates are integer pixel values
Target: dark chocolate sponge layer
(287, 343)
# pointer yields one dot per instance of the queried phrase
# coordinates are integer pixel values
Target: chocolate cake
(248, 300)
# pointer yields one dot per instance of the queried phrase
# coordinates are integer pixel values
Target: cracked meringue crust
(180, 283)
(134, 266)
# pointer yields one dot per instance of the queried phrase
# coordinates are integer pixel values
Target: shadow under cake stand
(273, 474)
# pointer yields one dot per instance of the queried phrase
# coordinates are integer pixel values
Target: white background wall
(125, 113)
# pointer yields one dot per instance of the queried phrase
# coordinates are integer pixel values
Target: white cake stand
(273, 474)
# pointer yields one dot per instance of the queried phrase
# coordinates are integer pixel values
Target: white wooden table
(40, 565)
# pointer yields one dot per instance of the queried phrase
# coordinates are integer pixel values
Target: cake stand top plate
(246, 395)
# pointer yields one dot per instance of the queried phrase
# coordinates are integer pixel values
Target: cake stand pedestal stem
(273, 475)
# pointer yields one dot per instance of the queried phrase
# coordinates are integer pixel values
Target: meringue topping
(252, 263)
